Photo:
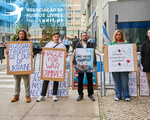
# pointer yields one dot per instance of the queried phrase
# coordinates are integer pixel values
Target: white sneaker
(116, 99)
(41, 98)
(54, 98)
(127, 99)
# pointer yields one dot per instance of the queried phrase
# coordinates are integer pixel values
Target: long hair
(25, 34)
(122, 36)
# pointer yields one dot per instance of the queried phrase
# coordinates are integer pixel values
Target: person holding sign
(85, 44)
(54, 44)
(145, 58)
(121, 79)
(22, 36)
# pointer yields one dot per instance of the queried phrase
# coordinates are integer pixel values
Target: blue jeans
(121, 80)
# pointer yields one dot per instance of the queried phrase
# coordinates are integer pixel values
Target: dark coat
(89, 45)
(145, 56)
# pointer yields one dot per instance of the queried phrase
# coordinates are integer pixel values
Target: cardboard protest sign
(84, 59)
(19, 59)
(133, 84)
(35, 84)
(63, 88)
(144, 88)
(120, 58)
(53, 64)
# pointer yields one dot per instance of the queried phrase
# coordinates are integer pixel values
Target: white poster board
(144, 88)
(62, 88)
(133, 84)
(120, 58)
(53, 64)
(19, 59)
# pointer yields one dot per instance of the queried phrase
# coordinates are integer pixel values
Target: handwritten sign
(53, 64)
(84, 59)
(62, 88)
(35, 84)
(132, 84)
(19, 59)
(120, 58)
(144, 88)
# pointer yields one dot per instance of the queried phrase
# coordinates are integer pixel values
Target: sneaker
(116, 99)
(41, 98)
(149, 101)
(91, 97)
(80, 97)
(54, 98)
(127, 99)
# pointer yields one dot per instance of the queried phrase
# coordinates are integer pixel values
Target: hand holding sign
(53, 64)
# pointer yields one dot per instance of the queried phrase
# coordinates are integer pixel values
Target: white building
(131, 16)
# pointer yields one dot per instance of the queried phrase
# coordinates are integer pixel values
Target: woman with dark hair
(22, 36)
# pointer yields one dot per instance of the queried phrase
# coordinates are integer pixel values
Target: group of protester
(121, 79)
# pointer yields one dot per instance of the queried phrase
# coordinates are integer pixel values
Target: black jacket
(89, 45)
(145, 56)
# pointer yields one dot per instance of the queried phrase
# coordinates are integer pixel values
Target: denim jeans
(121, 80)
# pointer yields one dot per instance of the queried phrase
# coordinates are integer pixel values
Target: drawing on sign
(85, 82)
(120, 58)
(84, 59)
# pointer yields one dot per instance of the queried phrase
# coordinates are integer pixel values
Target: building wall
(127, 10)
(6, 22)
(75, 20)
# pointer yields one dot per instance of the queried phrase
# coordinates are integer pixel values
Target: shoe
(54, 98)
(28, 99)
(127, 99)
(15, 98)
(116, 99)
(149, 101)
(91, 97)
(41, 98)
(80, 97)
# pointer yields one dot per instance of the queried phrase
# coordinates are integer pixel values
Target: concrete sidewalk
(64, 109)
(137, 109)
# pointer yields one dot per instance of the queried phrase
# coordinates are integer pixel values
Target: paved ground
(64, 109)
(137, 109)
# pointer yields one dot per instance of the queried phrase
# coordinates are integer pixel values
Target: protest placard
(84, 59)
(35, 84)
(120, 58)
(63, 88)
(53, 64)
(19, 59)
(133, 84)
(144, 88)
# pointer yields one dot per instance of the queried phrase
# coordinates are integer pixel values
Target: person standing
(54, 44)
(121, 79)
(145, 58)
(85, 44)
(22, 36)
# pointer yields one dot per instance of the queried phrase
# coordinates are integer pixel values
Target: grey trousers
(26, 84)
